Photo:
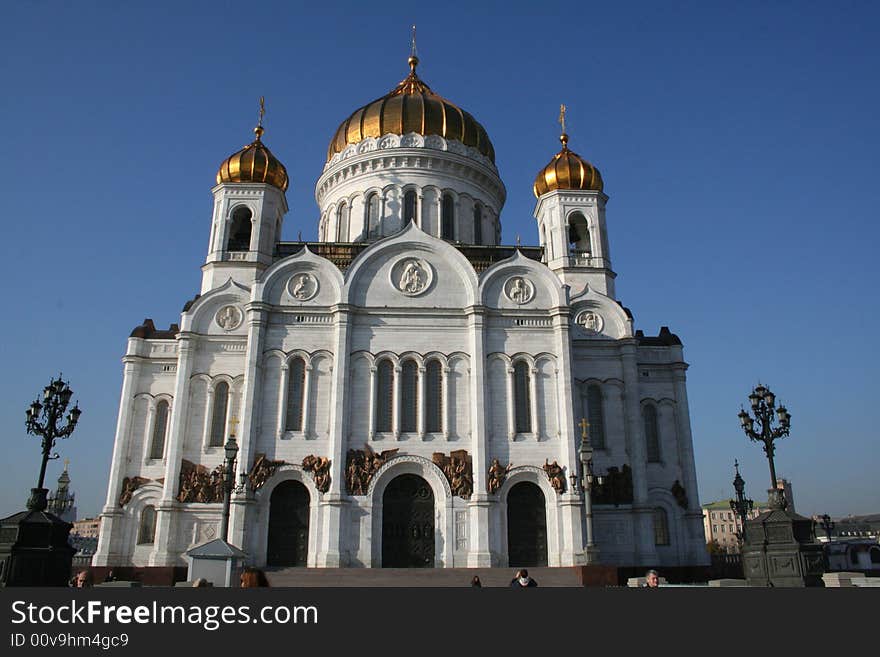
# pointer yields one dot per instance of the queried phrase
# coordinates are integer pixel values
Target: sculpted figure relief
(413, 278)
(261, 471)
(556, 476)
(129, 486)
(679, 493)
(198, 484)
(303, 286)
(458, 470)
(519, 290)
(617, 489)
(228, 318)
(591, 322)
(497, 475)
(361, 465)
(319, 466)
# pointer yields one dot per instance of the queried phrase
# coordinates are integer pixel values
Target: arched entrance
(408, 523)
(526, 526)
(288, 542)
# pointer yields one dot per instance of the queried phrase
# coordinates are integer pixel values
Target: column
(511, 417)
(307, 386)
(282, 399)
(480, 506)
(381, 226)
(110, 539)
(419, 218)
(150, 428)
(395, 414)
(372, 410)
(533, 402)
(420, 406)
(209, 413)
(167, 508)
(439, 213)
(447, 396)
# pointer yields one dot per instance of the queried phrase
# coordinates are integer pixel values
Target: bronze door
(408, 523)
(288, 543)
(526, 526)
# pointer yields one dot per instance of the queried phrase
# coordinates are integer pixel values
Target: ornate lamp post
(42, 419)
(763, 403)
(741, 506)
(588, 479)
(827, 525)
(229, 487)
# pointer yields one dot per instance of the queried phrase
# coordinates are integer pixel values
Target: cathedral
(406, 391)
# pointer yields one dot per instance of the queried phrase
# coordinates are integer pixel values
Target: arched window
(342, 223)
(384, 395)
(661, 526)
(447, 217)
(652, 436)
(579, 235)
(160, 428)
(409, 207)
(596, 416)
(478, 224)
(409, 396)
(240, 230)
(372, 218)
(295, 387)
(147, 526)
(521, 402)
(218, 414)
(434, 397)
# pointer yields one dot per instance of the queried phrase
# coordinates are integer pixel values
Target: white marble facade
(407, 301)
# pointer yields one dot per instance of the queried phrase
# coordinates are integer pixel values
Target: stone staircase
(414, 577)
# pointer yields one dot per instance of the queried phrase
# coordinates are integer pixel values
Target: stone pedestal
(33, 546)
(217, 561)
(781, 549)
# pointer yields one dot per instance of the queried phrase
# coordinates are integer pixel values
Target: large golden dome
(411, 107)
(254, 164)
(567, 170)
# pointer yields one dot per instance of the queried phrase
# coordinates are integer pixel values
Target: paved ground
(417, 577)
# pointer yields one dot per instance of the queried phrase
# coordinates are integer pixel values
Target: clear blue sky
(738, 143)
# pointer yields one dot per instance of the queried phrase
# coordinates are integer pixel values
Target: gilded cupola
(567, 170)
(411, 107)
(254, 163)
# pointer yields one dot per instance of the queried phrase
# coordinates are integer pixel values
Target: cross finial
(66, 463)
(518, 240)
(234, 423)
(564, 136)
(413, 53)
(259, 129)
(584, 425)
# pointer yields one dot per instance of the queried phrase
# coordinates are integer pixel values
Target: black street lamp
(763, 403)
(588, 480)
(229, 487)
(827, 525)
(741, 506)
(42, 419)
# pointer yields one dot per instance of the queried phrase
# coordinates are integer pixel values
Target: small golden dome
(567, 170)
(411, 107)
(254, 164)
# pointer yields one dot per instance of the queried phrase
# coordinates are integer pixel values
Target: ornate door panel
(288, 543)
(526, 526)
(408, 523)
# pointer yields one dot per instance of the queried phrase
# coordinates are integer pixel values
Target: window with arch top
(160, 430)
(409, 396)
(478, 224)
(409, 207)
(652, 435)
(434, 397)
(296, 376)
(240, 230)
(579, 234)
(661, 526)
(372, 218)
(447, 217)
(147, 526)
(521, 398)
(342, 216)
(218, 415)
(384, 395)
(596, 416)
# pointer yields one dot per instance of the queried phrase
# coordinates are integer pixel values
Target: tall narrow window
(384, 395)
(240, 230)
(434, 397)
(147, 526)
(409, 207)
(160, 428)
(579, 234)
(521, 401)
(295, 388)
(447, 212)
(218, 414)
(342, 223)
(373, 216)
(478, 225)
(409, 393)
(661, 527)
(596, 415)
(652, 437)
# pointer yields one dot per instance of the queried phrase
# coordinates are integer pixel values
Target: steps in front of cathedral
(414, 577)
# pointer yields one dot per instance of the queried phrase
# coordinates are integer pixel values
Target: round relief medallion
(302, 287)
(229, 318)
(590, 322)
(519, 290)
(411, 276)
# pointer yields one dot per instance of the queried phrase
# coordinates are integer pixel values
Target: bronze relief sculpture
(361, 465)
(262, 470)
(496, 475)
(198, 484)
(319, 466)
(458, 470)
(556, 475)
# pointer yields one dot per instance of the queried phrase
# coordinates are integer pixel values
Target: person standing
(522, 579)
(652, 580)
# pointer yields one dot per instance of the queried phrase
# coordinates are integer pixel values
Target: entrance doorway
(408, 523)
(288, 543)
(526, 526)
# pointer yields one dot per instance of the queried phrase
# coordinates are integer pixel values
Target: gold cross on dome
(262, 110)
(584, 425)
(234, 423)
(413, 52)
(562, 110)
